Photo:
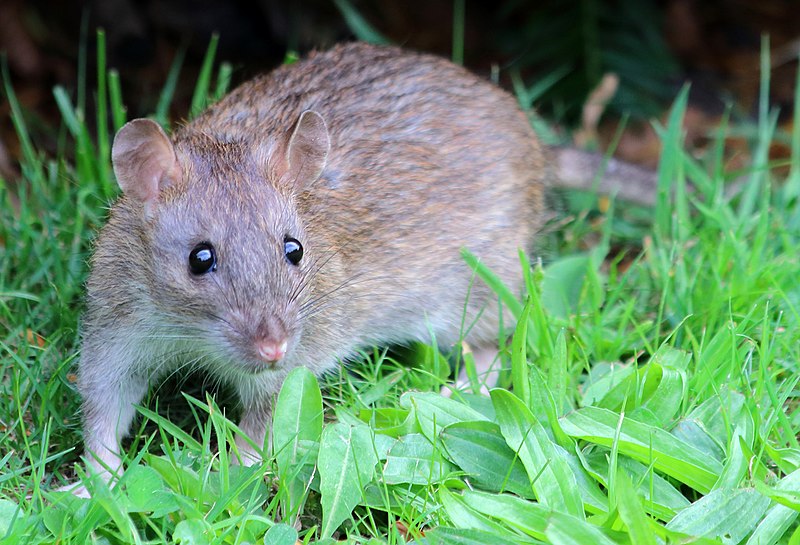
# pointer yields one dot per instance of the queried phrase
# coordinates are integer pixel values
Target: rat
(313, 211)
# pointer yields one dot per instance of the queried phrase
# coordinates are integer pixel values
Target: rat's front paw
(77, 489)
(247, 455)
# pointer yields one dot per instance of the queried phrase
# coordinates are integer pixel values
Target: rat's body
(381, 164)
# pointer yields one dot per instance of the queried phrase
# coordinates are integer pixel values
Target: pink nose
(271, 351)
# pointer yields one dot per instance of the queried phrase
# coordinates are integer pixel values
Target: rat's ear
(144, 160)
(307, 149)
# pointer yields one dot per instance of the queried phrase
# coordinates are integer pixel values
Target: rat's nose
(271, 351)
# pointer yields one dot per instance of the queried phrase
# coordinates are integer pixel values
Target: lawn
(649, 397)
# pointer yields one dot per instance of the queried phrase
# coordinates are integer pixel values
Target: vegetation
(649, 397)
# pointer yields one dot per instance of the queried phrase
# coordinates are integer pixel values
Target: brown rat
(312, 211)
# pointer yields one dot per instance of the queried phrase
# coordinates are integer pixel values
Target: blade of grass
(203, 84)
(161, 114)
(115, 97)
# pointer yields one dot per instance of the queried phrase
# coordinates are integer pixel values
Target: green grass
(650, 397)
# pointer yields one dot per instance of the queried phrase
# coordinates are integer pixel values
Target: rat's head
(231, 259)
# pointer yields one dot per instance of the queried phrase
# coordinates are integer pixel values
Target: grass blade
(359, 26)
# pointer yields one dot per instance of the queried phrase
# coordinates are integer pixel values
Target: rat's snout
(271, 351)
(270, 340)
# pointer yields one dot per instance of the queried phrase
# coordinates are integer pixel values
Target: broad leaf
(434, 412)
(480, 450)
(553, 481)
(645, 443)
(412, 459)
(526, 516)
(723, 513)
(296, 423)
(346, 464)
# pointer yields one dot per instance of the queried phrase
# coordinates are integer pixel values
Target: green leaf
(108, 501)
(788, 498)
(563, 529)
(390, 421)
(346, 464)
(171, 428)
(693, 433)
(723, 513)
(281, 534)
(115, 98)
(629, 506)
(779, 517)
(434, 412)
(666, 389)
(645, 443)
(652, 393)
(69, 114)
(161, 115)
(146, 493)
(558, 380)
(519, 357)
(736, 466)
(464, 516)
(223, 81)
(563, 283)
(668, 178)
(662, 499)
(480, 450)
(443, 535)
(787, 459)
(594, 500)
(296, 425)
(543, 403)
(773, 526)
(9, 512)
(609, 385)
(57, 519)
(720, 413)
(413, 460)
(526, 516)
(553, 481)
(182, 479)
(191, 532)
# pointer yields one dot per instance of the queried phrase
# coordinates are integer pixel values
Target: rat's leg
(488, 366)
(108, 411)
(255, 421)
(487, 369)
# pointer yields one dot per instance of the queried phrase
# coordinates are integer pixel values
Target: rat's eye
(293, 250)
(202, 259)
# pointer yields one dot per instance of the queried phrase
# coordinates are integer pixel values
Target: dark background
(654, 46)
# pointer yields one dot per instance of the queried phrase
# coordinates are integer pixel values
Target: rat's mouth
(238, 358)
(257, 366)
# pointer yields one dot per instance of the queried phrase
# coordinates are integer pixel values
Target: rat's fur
(421, 159)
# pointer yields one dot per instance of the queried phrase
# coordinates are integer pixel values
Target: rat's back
(425, 159)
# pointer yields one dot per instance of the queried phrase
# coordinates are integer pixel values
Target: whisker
(225, 293)
(311, 273)
(352, 281)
